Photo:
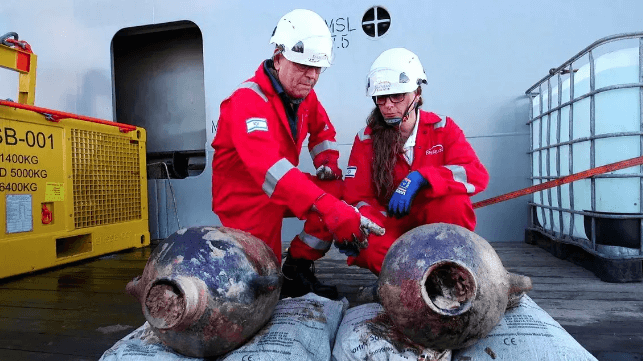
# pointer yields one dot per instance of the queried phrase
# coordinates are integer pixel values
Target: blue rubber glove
(400, 202)
(350, 249)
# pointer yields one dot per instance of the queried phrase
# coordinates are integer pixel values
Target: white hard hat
(395, 71)
(304, 38)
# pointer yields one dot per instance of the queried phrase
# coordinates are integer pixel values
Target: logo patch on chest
(254, 124)
(350, 172)
(436, 149)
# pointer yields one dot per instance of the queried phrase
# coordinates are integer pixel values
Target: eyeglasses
(304, 68)
(395, 98)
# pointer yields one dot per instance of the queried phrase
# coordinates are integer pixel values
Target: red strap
(20, 44)
(560, 181)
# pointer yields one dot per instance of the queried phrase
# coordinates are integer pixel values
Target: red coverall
(255, 180)
(444, 158)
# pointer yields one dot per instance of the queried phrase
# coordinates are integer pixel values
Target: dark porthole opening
(376, 22)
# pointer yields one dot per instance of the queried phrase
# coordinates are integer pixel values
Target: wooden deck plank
(63, 346)
(16, 355)
(77, 311)
(61, 300)
(74, 327)
(95, 285)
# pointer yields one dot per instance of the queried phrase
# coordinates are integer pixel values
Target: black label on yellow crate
(11, 172)
(32, 154)
(30, 138)
(18, 158)
(18, 187)
(28, 173)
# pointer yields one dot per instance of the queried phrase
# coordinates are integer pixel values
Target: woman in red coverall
(408, 167)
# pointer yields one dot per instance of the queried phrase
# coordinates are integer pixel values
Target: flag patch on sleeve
(254, 124)
(350, 172)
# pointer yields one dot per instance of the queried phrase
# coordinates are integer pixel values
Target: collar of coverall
(410, 141)
(269, 68)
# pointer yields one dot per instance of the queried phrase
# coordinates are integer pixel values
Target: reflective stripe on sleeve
(361, 204)
(323, 146)
(362, 135)
(274, 174)
(254, 86)
(460, 176)
(314, 242)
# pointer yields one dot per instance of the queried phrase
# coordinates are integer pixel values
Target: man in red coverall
(408, 167)
(261, 129)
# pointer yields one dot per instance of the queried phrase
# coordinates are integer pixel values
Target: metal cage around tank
(582, 117)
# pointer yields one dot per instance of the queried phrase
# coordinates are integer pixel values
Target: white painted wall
(480, 57)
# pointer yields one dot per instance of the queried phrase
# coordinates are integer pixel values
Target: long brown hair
(387, 144)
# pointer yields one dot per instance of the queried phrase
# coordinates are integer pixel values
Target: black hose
(3, 38)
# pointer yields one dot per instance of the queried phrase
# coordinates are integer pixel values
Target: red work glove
(371, 213)
(342, 220)
(329, 172)
(326, 165)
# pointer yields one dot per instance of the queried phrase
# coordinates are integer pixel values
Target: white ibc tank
(616, 111)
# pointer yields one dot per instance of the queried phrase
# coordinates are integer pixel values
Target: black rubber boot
(299, 279)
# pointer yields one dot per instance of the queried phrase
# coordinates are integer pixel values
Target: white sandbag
(526, 333)
(356, 342)
(142, 345)
(300, 329)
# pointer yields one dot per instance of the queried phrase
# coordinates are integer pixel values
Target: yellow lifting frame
(25, 64)
(69, 190)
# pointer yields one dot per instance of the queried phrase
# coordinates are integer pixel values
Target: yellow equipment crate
(70, 189)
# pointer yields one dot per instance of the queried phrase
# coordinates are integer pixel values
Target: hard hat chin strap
(410, 108)
(393, 121)
(398, 121)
